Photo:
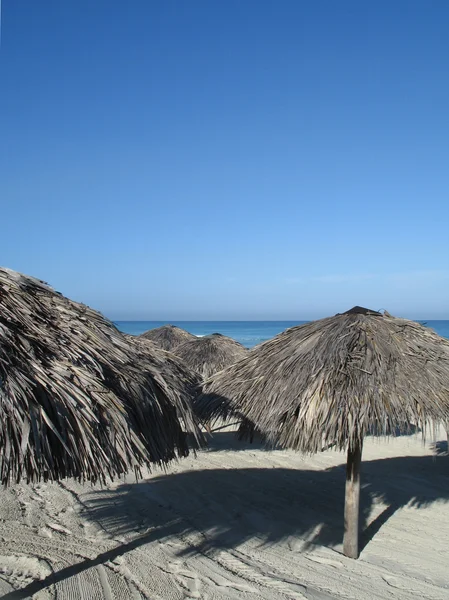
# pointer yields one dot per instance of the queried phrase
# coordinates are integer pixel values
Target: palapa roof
(167, 337)
(177, 373)
(77, 399)
(209, 354)
(329, 382)
(139, 340)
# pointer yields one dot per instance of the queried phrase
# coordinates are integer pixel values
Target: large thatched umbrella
(77, 399)
(331, 382)
(168, 337)
(209, 354)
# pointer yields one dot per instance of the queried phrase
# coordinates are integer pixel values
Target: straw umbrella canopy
(176, 373)
(209, 354)
(141, 342)
(167, 337)
(77, 399)
(333, 381)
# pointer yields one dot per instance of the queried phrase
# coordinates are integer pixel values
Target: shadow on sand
(226, 507)
(230, 506)
(229, 440)
(440, 448)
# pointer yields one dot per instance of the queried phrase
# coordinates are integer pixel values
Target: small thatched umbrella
(331, 382)
(140, 341)
(77, 399)
(176, 373)
(168, 337)
(209, 354)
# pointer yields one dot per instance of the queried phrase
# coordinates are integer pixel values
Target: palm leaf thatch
(177, 374)
(77, 399)
(209, 354)
(167, 337)
(142, 342)
(332, 381)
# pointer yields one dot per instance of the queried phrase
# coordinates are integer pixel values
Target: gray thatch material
(141, 341)
(209, 354)
(168, 337)
(330, 382)
(334, 380)
(177, 374)
(77, 399)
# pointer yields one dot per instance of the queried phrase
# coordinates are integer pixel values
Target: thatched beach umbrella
(331, 382)
(177, 374)
(77, 399)
(168, 337)
(209, 354)
(140, 341)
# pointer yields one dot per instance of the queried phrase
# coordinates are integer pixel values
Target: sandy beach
(221, 211)
(237, 522)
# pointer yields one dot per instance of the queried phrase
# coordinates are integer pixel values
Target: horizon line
(239, 320)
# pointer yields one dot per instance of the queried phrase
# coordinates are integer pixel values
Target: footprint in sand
(59, 528)
(325, 561)
(396, 583)
(187, 580)
(45, 532)
(23, 568)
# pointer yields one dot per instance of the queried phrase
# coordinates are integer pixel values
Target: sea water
(248, 333)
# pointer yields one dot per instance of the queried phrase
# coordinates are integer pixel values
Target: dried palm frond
(76, 397)
(209, 354)
(329, 382)
(177, 375)
(167, 337)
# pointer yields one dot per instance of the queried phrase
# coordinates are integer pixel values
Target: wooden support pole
(352, 497)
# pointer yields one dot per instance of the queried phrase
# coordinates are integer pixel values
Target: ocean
(248, 333)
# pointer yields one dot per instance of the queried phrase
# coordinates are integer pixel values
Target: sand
(237, 522)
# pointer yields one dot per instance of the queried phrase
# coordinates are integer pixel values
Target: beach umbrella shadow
(229, 441)
(224, 508)
(441, 447)
(220, 441)
(303, 507)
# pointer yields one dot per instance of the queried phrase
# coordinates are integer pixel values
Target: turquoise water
(248, 333)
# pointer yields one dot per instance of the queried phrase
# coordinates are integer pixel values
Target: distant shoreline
(248, 333)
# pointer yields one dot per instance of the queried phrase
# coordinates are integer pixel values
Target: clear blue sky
(228, 159)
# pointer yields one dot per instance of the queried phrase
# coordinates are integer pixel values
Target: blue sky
(228, 160)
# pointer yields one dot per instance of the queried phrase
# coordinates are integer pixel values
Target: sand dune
(237, 522)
